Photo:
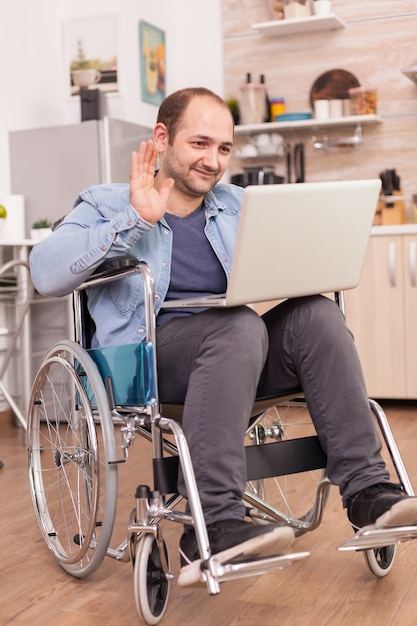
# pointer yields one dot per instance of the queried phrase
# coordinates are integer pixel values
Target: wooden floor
(328, 588)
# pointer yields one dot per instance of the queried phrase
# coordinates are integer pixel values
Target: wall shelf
(348, 120)
(313, 23)
(410, 72)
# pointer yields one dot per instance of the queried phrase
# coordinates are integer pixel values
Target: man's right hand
(149, 202)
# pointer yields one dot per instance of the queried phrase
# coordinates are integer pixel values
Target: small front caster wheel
(380, 560)
(151, 584)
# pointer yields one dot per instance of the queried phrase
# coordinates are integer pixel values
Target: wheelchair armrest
(111, 269)
(115, 266)
(114, 269)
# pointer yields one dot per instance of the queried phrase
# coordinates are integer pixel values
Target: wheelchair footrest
(369, 537)
(197, 572)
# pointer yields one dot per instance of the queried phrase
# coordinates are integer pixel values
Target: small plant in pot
(40, 229)
(233, 105)
(3, 215)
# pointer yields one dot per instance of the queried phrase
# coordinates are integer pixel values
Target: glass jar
(363, 100)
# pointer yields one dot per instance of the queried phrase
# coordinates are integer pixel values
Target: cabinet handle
(391, 263)
(412, 249)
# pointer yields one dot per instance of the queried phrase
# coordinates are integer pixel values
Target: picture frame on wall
(152, 63)
(91, 54)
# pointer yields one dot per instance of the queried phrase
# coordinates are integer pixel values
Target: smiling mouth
(205, 173)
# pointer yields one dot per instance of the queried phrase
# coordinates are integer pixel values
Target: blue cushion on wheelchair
(131, 369)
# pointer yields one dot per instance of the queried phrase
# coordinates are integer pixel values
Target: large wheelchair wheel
(151, 585)
(71, 442)
(291, 497)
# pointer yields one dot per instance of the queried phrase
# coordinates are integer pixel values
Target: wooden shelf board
(348, 120)
(313, 23)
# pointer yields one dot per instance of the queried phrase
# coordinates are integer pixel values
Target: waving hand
(148, 201)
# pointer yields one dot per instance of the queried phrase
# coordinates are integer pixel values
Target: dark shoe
(230, 539)
(385, 505)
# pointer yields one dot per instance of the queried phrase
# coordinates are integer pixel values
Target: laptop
(297, 240)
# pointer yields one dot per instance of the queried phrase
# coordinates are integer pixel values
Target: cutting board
(333, 85)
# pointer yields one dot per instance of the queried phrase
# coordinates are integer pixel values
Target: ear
(160, 136)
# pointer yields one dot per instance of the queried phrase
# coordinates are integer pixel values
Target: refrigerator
(50, 166)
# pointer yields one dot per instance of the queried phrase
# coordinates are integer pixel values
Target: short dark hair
(173, 106)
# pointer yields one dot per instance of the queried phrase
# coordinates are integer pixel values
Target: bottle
(252, 98)
(276, 107)
(267, 103)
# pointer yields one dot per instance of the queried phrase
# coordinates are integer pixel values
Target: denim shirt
(104, 224)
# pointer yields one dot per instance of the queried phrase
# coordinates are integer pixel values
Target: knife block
(390, 210)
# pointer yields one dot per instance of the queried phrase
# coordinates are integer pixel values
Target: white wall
(33, 85)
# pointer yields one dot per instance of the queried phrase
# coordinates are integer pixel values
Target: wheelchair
(84, 401)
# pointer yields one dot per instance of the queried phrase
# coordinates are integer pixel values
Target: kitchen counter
(394, 229)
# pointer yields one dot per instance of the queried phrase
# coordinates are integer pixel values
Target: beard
(187, 177)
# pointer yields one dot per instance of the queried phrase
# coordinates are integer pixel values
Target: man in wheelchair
(182, 222)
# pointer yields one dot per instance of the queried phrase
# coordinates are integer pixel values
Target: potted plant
(40, 229)
(233, 105)
(3, 215)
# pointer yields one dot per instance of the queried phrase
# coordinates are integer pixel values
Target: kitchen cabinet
(382, 313)
(313, 23)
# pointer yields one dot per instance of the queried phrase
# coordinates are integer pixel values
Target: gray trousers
(218, 361)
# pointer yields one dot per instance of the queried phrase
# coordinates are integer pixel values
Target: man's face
(201, 150)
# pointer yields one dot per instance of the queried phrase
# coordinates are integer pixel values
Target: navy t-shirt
(195, 268)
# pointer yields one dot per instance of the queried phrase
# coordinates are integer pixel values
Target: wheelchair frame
(73, 460)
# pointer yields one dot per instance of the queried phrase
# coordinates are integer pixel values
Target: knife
(299, 165)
